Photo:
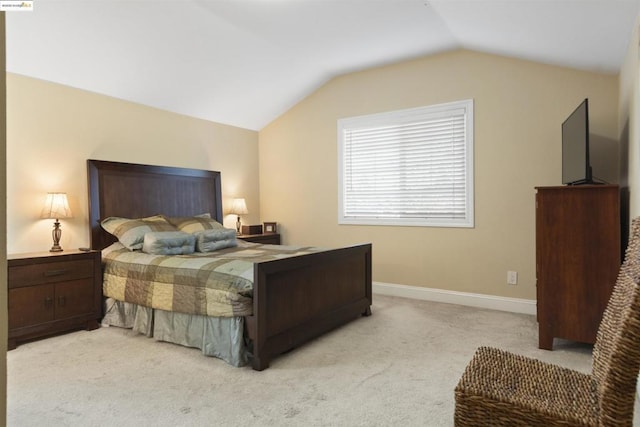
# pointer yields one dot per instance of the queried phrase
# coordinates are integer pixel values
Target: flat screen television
(576, 167)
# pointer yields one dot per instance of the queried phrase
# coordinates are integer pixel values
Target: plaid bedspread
(218, 283)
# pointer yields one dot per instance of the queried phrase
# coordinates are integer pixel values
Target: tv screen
(576, 168)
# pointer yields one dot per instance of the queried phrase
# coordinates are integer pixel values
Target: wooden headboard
(131, 190)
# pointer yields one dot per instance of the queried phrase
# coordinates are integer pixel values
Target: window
(408, 167)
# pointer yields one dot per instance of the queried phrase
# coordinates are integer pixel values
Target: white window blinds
(408, 167)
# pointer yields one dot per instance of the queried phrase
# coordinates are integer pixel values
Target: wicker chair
(499, 388)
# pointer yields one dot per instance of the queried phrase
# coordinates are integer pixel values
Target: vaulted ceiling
(245, 62)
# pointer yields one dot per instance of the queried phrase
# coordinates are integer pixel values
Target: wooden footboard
(296, 299)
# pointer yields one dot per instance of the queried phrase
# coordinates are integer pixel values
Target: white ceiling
(245, 62)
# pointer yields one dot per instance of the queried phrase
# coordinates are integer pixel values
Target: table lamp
(56, 206)
(239, 207)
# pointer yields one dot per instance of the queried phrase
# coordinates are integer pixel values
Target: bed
(293, 299)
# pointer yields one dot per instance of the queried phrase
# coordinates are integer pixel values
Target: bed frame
(294, 299)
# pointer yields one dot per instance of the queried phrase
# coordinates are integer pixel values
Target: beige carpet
(397, 367)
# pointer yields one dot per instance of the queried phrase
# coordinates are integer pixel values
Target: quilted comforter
(218, 283)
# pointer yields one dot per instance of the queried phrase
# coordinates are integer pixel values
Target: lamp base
(56, 234)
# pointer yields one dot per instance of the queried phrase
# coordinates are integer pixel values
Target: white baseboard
(515, 305)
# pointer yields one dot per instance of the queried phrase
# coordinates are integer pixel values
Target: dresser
(578, 256)
(50, 293)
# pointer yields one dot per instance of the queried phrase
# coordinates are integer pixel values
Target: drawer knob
(50, 273)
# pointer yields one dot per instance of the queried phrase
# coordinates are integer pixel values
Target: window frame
(407, 116)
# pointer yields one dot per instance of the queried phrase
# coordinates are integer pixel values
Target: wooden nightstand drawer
(50, 272)
(265, 239)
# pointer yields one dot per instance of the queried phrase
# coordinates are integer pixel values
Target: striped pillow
(194, 224)
(130, 232)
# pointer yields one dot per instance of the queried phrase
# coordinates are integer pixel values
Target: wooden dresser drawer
(49, 272)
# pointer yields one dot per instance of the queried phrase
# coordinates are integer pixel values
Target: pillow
(169, 243)
(130, 232)
(194, 224)
(212, 240)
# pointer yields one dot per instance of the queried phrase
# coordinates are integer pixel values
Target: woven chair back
(616, 354)
(632, 254)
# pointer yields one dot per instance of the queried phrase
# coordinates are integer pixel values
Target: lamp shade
(56, 206)
(239, 207)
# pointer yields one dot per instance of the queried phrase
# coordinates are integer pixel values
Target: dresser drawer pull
(51, 273)
(48, 302)
(62, 301)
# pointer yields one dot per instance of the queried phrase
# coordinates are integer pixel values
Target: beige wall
(629, 118)
(53, 129)
(519, 108)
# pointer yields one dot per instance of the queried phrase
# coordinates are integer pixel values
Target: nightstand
(267, 239)
(53, 292)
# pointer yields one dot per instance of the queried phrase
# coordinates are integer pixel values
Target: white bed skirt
(220, 337)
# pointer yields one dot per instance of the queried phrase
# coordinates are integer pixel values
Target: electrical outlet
(512, 277)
